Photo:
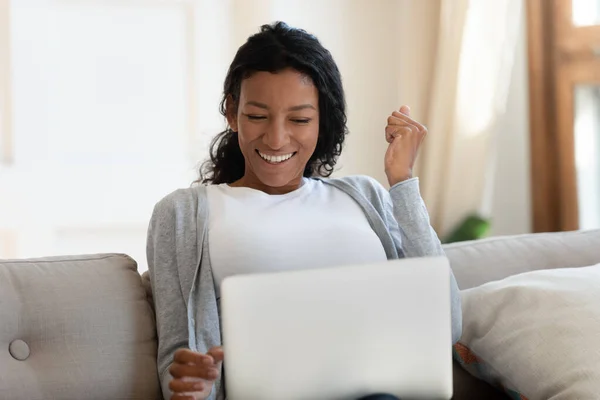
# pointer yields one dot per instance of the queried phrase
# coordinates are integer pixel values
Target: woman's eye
(256, 117)
(301, 120)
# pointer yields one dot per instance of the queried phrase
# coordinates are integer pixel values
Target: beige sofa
(82, 327)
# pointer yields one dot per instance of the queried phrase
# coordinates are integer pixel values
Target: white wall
(50, 203)
(361, 36)
(386, 51)
(102, 124)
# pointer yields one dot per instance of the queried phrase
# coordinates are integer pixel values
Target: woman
(266, 206)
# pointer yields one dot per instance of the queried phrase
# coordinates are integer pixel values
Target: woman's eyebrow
(294, 108)
(301, 107)
(257, 104)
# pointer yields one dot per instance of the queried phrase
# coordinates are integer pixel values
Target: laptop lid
(339, 333)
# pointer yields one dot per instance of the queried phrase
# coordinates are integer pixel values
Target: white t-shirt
(315, 226)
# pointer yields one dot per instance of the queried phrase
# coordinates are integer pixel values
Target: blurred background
(108, 105)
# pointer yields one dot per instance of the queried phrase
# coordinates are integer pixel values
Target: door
(564, 51)
(577, 33)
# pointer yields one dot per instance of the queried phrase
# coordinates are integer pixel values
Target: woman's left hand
(404, 136)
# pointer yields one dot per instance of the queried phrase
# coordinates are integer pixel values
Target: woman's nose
(277, 136)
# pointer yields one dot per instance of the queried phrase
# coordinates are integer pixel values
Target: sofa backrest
(477, 262)
(76, 327)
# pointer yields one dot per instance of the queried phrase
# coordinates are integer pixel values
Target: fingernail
(199, 386)
(207, 361)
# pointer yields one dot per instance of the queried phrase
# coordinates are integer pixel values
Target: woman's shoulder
(364, 184)
(181, 203)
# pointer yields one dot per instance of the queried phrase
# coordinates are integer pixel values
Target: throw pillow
(536, 335)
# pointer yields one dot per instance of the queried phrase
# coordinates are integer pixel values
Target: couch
(82, 327)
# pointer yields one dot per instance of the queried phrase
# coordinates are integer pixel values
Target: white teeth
(275, 159)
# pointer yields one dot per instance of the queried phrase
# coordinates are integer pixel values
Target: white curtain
(476, 49)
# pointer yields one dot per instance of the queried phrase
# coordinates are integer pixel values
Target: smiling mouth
(276, 159)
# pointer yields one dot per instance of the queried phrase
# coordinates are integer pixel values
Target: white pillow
(538, 333)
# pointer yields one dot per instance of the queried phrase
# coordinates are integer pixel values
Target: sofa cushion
(76, 327)
(477, 262)
(537, 333)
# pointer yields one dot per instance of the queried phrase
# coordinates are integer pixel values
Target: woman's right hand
(194, 374)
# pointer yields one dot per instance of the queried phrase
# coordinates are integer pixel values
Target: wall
(52, 200)
(384, 50)
(386, 53)
(103, 123)
(360, 36)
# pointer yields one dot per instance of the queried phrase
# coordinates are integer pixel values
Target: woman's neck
(255, 183)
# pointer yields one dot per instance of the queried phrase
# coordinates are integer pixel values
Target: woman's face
(277, 121)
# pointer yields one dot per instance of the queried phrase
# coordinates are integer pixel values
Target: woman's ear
(231, 113)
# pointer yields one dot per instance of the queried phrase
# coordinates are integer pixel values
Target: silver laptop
(339, 333)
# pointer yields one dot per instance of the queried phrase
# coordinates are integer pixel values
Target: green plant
(471, 228)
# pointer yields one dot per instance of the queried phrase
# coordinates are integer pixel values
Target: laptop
(339, 333)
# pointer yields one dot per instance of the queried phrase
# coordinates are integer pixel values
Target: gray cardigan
(187, 314)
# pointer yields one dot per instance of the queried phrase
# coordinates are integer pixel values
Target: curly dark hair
(275, 48)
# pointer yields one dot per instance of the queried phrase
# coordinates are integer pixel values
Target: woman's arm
(417, 237)
(408, 223)
(169, 303)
